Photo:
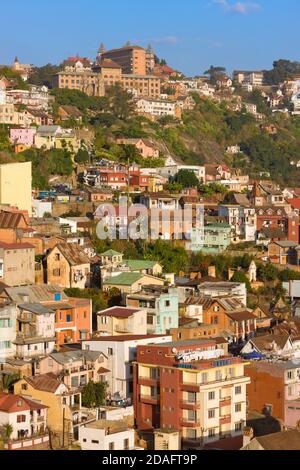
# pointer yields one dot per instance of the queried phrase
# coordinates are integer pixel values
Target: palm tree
(7, 431)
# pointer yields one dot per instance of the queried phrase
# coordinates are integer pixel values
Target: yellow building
(16, 185)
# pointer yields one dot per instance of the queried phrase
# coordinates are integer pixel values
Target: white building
(169, 171)
(40, 208)
(27, 417)
(8, 315)
(121, 352)
(243, 221)
(224, 289)
(158, 108)
(106, 435)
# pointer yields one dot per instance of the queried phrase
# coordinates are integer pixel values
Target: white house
(28, 418)
(8, 315)
(158, 108)
(121, 352)
(106, 435)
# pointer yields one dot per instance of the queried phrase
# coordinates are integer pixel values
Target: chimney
(212, 271)
(248, 436)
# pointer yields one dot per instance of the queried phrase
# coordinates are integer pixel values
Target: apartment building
(275, 389)
(254, 78)
(242, 220)
(161, 305)
(88, 82)
(158, 108)
(121, 352)
(190, 386)
(132, 59)
(142, 85)
(16, 185)
(35, 331)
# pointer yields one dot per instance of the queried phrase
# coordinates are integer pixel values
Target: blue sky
(190, 34)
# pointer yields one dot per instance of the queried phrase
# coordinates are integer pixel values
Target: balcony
(186, 423)
(225, 401)
(189, 405)
(190, 387)
(225, 420)
(123, 329)
(148, 381)
(150, 399)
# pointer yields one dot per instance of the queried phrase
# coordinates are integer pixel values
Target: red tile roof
(15, 403)
(16, 246)
(119, 312)
(124, 338)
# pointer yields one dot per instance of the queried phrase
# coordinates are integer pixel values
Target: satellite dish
(174, 351)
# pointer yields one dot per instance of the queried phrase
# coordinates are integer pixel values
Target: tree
(187, 179)
(94, 394)
(8, 380)
(43, 76)
(267, 272)
(282, 70)
(215, 73)
(120, 102)
(241, 277)
(82, 156)
(7, 430)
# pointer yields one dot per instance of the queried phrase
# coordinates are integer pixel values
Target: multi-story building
(8, 328)
(162, 306)
(211, 239)
(158, 108)
(132, 59)
(121, 352)
(56, 137)
(35, 331)
(91, 83)
(68, 266)
(23, 136)
(275, 389)
(17, 264)
(118, 321)
(147, 86)
(77, 367)
(242, 221)
(28, 419)
(190, 386)
(16, 185)
(254, 78)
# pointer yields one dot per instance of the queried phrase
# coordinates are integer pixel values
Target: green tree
(267, 272)
(7, 431)
(240, 276)
(94, 394)
(82, 156)
(187, 179)
(120, 102)
(43, 76)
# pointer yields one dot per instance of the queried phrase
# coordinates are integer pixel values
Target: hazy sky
(190, 34)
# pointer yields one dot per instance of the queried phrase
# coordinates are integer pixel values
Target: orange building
(132, 59)
(73, 320)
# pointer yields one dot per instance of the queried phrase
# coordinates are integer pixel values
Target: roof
(139, 265)
(37, 309)
(241, 316)
(16, 403)
(10, 220)
(109, 64)
(264, 343)
(112, 427)
(71, 111)
(36, 294)
(123, 338)
(73, 253)
(124, 279)
(286, 244)
(45, 383)
(119, 312)
(72, 356)
(286, 440)
(16, 246)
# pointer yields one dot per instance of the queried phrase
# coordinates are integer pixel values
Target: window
(211, 414)
(218, 375)
(57, 257)
(111, 446)
(238, 427)
(110, 351)
(167, 303)
(238, 390)
(56, 272)
(211, 433)
(192, 416)
(211, 395)
(126, 444)
(238, 407)
(95, 442)
(24, 387)
(69, 318)
(290, 375)
(204, 377)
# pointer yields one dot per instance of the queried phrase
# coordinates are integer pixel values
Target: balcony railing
(225, 420)
(185, 422)
(123, 329)
(151, 399)
(188, 404)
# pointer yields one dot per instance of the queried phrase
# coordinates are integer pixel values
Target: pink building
(23, 136)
